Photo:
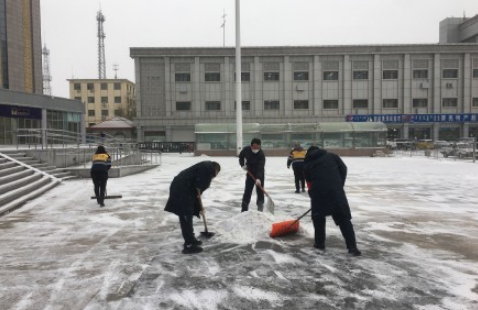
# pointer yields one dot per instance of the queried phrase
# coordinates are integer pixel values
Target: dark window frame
(104, 86)
(333, 102)
(245, 105)
(390, 101)
(331, 75)
(449, 74)
(212, 105)
(90, 86)
(418, 103)
(390, 74)
(90, 99)
(182, 77)
(117, 99)
(360, 75)
(360, 104)
(301, 75)
(212, 77)
(183, 105)
(272, 76)
(245, 77)
(117, 86)
(91, 113)
(420, 74)
(301, 104)
(271, 105)
(449, 102)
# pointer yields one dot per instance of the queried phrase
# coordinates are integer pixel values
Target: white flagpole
(238, 79)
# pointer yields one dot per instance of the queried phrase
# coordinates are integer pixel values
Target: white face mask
(255, 151)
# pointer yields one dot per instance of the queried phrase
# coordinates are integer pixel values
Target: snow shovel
(109, 197)
(205, 233)
(286, 227)
(270, 205)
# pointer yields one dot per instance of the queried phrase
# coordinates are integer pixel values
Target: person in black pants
(184, 200)
(296, 159)
(99, 173)
(325, 174)
(253, 160)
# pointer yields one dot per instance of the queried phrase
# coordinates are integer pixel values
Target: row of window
(327, 104)
(103, 100)
(327, 75)
(104, 113)
(91, 86)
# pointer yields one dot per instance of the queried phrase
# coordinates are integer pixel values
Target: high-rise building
(20, 46)
(459, 30)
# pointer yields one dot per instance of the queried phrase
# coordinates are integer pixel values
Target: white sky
(416, 221)
(69, 27)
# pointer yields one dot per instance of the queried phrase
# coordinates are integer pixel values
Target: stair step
(11, 170)
(7, 165)
(15, 176)
(19, 192)
(19, 183)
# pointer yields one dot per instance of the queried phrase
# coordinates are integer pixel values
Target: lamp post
(238, 79)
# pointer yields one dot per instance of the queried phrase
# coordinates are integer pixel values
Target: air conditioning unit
(424, 85)
(449, 85)
(299, 88)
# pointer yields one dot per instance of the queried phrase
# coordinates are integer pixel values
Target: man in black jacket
(325, 174)
(183, 199)
(253, 160)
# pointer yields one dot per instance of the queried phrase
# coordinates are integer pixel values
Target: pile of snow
(245, 227)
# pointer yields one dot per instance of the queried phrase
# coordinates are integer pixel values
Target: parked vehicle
(460, 149)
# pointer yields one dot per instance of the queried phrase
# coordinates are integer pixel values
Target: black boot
(244, 207)
(192, 249)
(355, 252)
(260, 207)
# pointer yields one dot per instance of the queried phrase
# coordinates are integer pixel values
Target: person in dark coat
(296, 159)
(184, 199)
(99, 173)
(325, 174)
(253, 160)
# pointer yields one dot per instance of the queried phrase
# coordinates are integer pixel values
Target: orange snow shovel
(287, 227)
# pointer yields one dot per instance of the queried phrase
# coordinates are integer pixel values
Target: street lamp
(238, 79)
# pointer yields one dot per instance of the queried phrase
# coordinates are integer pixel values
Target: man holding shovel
(185, 200)
(325, 174)
(253, 160)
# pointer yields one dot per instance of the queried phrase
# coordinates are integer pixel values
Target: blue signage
(413, 118)
(20, 112)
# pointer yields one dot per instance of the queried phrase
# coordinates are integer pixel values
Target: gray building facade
(459, 30)
(419, 91)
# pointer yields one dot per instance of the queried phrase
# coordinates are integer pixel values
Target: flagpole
(238, 79)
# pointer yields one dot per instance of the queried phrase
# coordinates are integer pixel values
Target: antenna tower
(115, 68)
(46, 71)
(223, 26)
(101, 46)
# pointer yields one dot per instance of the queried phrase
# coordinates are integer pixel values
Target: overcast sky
(69, 27)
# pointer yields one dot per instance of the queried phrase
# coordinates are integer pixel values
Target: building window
(213, 105)
(420, 74)
(104, 99)
(90, 86)
(420, 103)
(475, 102)
(390, 74)
(78, 98)
(182, 77)
(360, 104)
(449, 102)
(183, 106)
(246, 106)
(271, 105)
(91, 99)
(104, 86)
(245, 77)
(360, 75)
(390, 103)
(450, 73)
(104, 113)
(117, 99)
(331, 75)
(117, 86)
(331, 104)
(271, 76)
(475, 73)
(118, 113)
(301, 76)
(77, 86)
(91, 113)
(91, 124)
(212, 77)
(301, 104)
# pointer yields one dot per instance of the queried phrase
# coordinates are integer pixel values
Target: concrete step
(22, 191)
(19, 183)
(15, 176)
(11, 170)
(7, 165)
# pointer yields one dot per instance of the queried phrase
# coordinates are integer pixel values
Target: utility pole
(46, 71)
(101, 46)
(223, 26)
(115, 68)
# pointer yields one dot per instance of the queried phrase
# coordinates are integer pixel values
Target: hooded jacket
(255, 162)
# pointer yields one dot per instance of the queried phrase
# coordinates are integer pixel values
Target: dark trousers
(246, 197)
(100, 178)
(187, 229)
(346, 228)
(299, 177)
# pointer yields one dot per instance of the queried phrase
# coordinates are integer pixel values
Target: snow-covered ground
(416, 221)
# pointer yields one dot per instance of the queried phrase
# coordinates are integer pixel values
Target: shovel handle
(202, 209)
(300, 217)
(260, 186)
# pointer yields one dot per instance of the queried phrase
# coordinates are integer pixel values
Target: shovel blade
(284, 228)
(110, 197)
(207, 234)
